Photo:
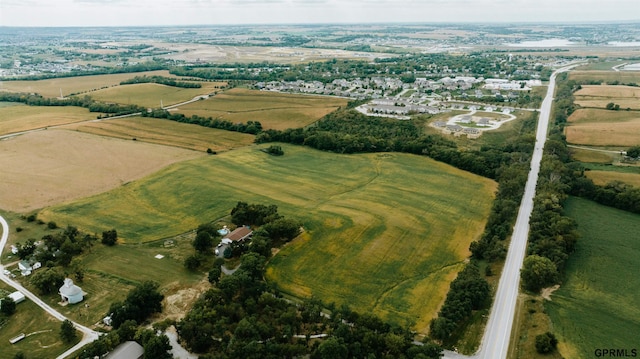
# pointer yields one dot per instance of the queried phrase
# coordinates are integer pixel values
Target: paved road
(495, 343)
(88, 335)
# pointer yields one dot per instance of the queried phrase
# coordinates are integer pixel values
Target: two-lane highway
(495, 343)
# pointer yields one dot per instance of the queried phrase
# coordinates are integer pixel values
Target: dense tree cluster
(155, 346)
(161, 80)
(239, 318)
(468, 292)
(141, 302)
(253, 214)
(251, 127)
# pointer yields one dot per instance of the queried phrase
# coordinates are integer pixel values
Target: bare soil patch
(546, 292)
(54, 166)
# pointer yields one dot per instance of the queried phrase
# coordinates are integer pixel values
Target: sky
(222, 12)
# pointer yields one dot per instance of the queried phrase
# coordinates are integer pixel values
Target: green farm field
(149, 94)
(169, 133)
(42, 330)
(601, 178)
(15, 117)
(74, 85)
(274, 110)
(384, 232)
(597, 305)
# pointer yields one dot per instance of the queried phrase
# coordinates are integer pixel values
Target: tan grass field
(53, 166)
(600, 96)
(169, 133)
(274, 110)
(592, 156)
(606, 76)
(20, 117)
(603, 128)
(74, 85)
(150, 94)
(601, 178)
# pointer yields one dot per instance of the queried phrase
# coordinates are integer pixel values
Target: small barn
(17, 297)
(70, 292)
(127, 350)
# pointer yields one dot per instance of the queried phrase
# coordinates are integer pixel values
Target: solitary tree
(67, 331)
(538, 272)
(203, 242)
(546, 343)
(8, 306)
(634, 152)
(110, 238)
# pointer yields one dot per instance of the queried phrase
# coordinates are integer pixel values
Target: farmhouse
(70, 292)
(25, 268)
(239, 234)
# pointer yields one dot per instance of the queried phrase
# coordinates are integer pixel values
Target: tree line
(139, 67)
(251, 127)
(161, 80)
(79, 101)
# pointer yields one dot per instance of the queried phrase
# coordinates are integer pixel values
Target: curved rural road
(88, 335)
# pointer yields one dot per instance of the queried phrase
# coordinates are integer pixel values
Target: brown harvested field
(601, 178)
(19, 117)
(74, 85)
(606, 76)
(54, 166)
(601, 95)
(169, 133)
(274, 110)
(603, 128)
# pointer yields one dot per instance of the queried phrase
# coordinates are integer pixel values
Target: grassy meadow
(601, 178)
(597, 305)
(273, 109)
(599, 96)
(42, 331)
(16, 117)
(74, 85)
(384, 232)
(148, 94)
(168, 133)
(596, 127)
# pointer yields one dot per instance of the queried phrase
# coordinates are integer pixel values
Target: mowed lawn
(15, 117)
(597, 127)
(42, 331)
(598, 305)
(149, 95)
(75, 85)
(384, 232)
(274, 110)
(153, 130)
(601, 95)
